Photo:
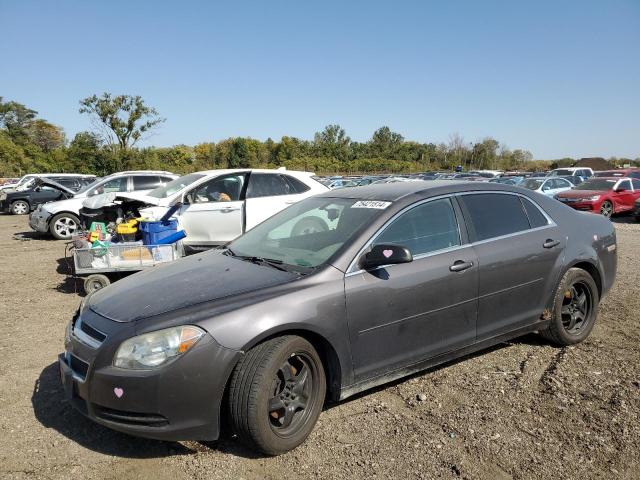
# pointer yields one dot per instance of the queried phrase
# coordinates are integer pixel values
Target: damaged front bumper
(39, 220)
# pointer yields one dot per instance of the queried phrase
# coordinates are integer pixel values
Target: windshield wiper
(271, 262)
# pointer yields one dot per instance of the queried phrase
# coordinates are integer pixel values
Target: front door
(213, 211)
(518, 249)
(401, 314)
(267, 194)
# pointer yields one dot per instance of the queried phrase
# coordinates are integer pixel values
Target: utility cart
(104, 264)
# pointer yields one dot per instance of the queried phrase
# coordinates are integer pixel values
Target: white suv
(220, 205)
(61, 218)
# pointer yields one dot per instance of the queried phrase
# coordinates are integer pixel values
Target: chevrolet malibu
(330, 297)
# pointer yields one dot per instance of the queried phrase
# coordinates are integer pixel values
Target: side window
(426, 228)
(110, 186)
(267, 185)
(145, 182)
(626, 184)
(220, 189)
(494, 215)
(297, 186)
(562, 183)
(636, 184)
(165, 180)
(536, 218)
(548, 185)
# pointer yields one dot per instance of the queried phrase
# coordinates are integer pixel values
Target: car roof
(224, 171)
(392, 192)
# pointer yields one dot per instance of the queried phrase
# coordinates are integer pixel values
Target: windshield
(308, 233)
(175, 186)
(91, 185)
(532, 183)
(596, 184)
(561, 173)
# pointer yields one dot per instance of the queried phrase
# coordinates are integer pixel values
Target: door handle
(229, 209)
(549, 243)
(460, 265)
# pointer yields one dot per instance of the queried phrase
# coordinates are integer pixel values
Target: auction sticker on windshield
(371, 204)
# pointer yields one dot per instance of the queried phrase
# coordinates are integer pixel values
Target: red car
(632, 172)
(603, 195)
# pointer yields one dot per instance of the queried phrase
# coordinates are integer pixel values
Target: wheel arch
(54, 215)
(592, 269)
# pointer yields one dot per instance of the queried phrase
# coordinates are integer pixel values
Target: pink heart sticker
(118, 391)
(387, 253)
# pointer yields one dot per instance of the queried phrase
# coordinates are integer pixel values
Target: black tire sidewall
(562, 336)
(269, 441)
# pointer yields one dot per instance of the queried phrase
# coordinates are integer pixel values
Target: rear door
(519, 250)
(213, 211)
(401, 314)
(267, 194)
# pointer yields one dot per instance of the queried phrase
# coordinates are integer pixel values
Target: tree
(122, 118)
(46, 135)
(15, 118)
(332, 142)
(385, 143)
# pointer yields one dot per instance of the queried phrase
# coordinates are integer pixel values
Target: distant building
(595, 163)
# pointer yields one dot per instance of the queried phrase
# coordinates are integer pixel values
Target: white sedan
(220, 205)
(549, 186)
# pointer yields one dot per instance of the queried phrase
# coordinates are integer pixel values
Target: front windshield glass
(596, 184)
(308, 233)
(175, 186)
(532, 183)
(91, 185)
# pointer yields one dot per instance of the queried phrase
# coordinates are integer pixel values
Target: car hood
(142, 197)
(190, 281)
(69, 205)
(42, 181)
(581, 193)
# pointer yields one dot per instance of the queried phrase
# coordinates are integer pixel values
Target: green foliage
(29, 144)
(122, 118)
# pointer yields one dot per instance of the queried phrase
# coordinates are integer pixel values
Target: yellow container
(127, 228)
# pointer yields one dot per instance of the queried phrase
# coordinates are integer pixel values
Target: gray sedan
(332, 296)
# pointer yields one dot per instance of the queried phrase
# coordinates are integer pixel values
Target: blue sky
(559, 78)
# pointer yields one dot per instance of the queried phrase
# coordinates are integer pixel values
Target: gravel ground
(521, 410)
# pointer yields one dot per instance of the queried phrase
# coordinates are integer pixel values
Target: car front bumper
(39, 220)
(179, 401)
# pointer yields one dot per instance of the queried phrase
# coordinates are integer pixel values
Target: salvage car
(547, 186)
(61, 218)
(401, 277)
(217, 206)
(26, 182)
(43, 190)
(606, 196)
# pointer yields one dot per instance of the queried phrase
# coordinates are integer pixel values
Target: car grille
(86, 334)
(130, 418)
(79, 367)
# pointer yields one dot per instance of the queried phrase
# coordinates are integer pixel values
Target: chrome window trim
(351, 271)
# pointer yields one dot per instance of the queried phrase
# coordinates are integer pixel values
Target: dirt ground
(522, 410)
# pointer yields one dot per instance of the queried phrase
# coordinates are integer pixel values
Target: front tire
(606, 209)
(20, 207)
(64, 225)
(575, 309)
(276, 394)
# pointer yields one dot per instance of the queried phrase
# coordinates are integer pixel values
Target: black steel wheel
(276, 394)
(575, 308)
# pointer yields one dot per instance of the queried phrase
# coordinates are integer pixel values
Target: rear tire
(95, 282)
(575, 309)
(20, 207)
(64, 225)
(276, 394)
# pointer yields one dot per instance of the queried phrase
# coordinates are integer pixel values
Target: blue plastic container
(153, 232)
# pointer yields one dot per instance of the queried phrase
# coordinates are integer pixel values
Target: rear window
(536, 218)
(596, 184)
(494, 215)
(297, 186)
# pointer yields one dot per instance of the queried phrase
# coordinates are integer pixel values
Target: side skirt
(358, 387)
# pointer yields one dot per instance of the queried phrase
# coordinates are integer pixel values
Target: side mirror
(621, 189)
(386, 254)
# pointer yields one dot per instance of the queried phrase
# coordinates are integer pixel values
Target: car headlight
(593, 198)
(154, 349)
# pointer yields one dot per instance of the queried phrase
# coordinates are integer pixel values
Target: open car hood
(53, 184)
